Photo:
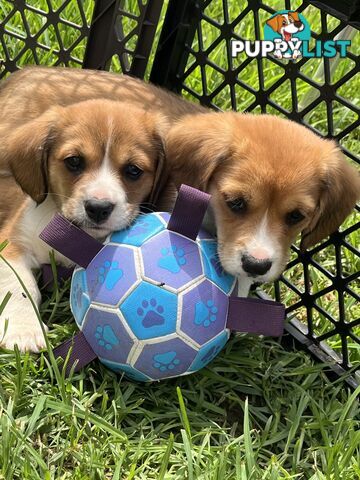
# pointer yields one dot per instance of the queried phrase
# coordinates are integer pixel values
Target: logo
(287, 35)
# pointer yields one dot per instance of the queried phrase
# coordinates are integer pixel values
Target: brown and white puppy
(50, 118)
(95, 162)
(270, 180)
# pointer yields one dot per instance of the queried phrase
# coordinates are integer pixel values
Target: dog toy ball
(153, 302)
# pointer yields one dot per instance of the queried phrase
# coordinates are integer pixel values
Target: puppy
(286, 24)
(270, 179)
(34, 137)
(95, 162)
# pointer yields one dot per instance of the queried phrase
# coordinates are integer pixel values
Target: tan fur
(29, 93)
(43, 87)
(108, 136)
(36, 150)
(276, 165)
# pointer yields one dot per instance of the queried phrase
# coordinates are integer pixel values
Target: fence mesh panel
(52, 33)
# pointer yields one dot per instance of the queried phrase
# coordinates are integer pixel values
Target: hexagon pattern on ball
(106, 333)
(169, 319)
(171, 259)
(212, 266)
(145, 227)
(79, 297)
(126, 369)
(169, 358)
(209, 351)
(150, 311)
(204, 312)
(111, 274)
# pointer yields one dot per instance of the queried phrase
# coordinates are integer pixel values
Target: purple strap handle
(63, 273)
(70, 240)
(81, 354)
(260, 317)
(252, 315)
(189, 211)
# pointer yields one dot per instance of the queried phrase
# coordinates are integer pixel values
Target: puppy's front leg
(19, 323)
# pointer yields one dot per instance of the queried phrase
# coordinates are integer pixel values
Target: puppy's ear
(196, 146)
(158, 128)
(26, 149)
(294, 16)
(339, 191)
(275, 23)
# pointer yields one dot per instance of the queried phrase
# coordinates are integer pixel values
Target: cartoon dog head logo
(287, 26)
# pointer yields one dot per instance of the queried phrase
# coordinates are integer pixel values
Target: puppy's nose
(298, 24)
(98, 210)
(254, 266)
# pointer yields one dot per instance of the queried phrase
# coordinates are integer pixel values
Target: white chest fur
(32, 222)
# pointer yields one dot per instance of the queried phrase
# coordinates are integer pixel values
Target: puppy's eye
(284, 22)
(133, 172)
(294, 217)
(75, 164)
(238, 205)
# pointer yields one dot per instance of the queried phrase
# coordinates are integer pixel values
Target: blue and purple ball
(153, 304)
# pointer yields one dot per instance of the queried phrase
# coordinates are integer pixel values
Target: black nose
(255, 267)
(297, 24)
(98, 210)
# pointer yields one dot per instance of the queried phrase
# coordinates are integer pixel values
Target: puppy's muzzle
(98, 210)
(254, 266)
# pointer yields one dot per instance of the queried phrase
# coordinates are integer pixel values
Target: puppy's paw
(28, 336)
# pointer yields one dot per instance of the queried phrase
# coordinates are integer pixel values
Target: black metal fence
(320, 287)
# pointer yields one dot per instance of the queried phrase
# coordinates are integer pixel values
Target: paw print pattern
(109, 274)
(205, 313)
(151, 312)
(79, 299)
(172, 259)
(208, 352)
(106, 337)
(166, 361)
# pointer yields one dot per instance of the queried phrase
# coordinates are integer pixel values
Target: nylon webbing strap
(70, 240)
(257, 316)
(63, 274)
(189, 210)
(81, 352)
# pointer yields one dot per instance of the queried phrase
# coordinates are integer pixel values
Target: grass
(257, 412)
